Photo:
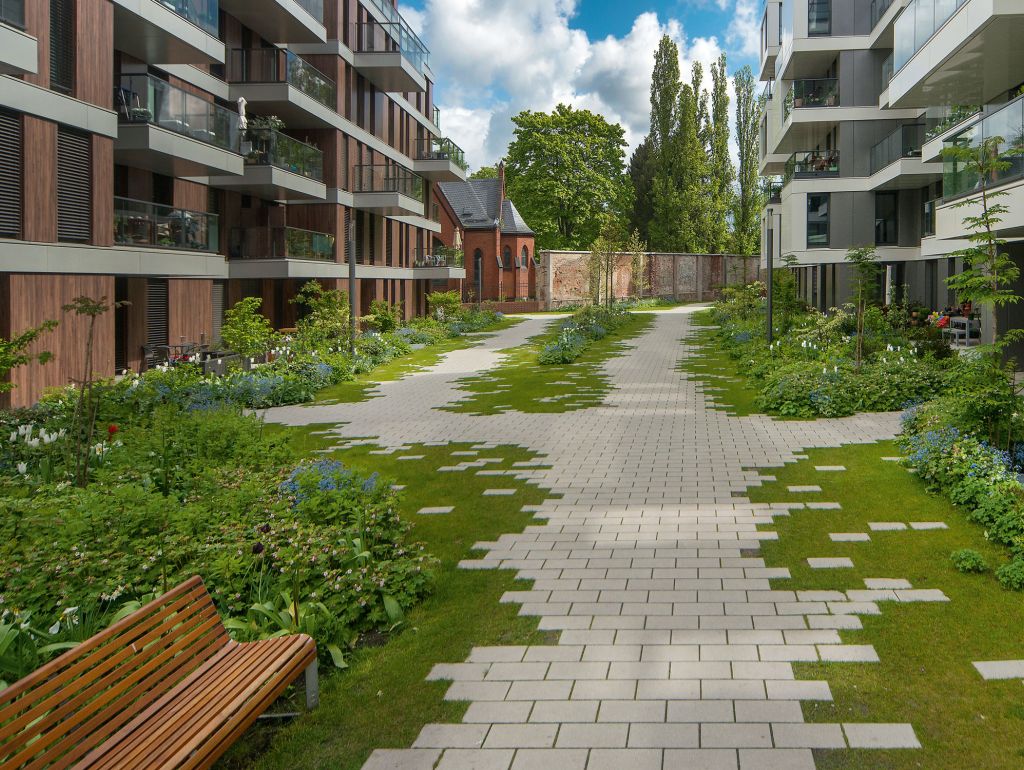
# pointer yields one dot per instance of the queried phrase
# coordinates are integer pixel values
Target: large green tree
(666, 85)
(641, 173)
(566, 170)
(485, 172)
(749, 198)
(721, 173)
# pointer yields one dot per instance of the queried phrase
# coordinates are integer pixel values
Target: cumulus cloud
(494, 58)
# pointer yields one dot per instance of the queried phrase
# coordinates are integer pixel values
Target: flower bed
(577, 333)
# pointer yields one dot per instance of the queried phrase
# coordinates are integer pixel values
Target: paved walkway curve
(674, 650)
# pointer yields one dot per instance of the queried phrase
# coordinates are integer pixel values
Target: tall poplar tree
(641, 173)
(665, 87)
(750, 196)
(721, 171)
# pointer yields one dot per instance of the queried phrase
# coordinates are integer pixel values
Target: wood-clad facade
(139, 183)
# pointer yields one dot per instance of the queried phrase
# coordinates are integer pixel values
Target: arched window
(526, 257)
(506, 258)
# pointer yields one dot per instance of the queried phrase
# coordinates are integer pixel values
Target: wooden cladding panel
(190, 195)
(40, 148)
(94, 52)
(189, 310)
(135, 323)
(37, 20)
(30, 300)
(102, 191)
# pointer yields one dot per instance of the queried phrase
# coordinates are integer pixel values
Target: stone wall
(563, 277)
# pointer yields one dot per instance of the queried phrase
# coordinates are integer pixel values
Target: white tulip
(22, 468)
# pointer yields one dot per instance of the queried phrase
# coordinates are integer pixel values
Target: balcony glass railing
(432, 148)
(951, 117)
(12, 12)
(437, 118)
(274, 65)
(928, 218)
(314, 8)
(904, 142)
(812, 163)
(819, 17)
(387, 179)
(281, 243)
(205, 14)
(145, 99)
(818, 92)
(878, 9)
(392, 15)
(272, 148)
(774, 190)
(393, 37)
(440, 257)
(887, 71)
(918, 23)
(1001, 134)
(150, 225)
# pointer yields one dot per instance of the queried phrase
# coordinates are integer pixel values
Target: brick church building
(497, 243)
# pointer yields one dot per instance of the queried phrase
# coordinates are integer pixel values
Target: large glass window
(887, 219)
(818, 220)
(819, 17)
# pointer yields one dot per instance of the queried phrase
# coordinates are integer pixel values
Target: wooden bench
(164, 687)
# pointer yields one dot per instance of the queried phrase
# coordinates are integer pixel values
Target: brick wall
(563, 277)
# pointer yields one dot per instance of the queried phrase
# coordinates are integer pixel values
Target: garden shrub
(246, 330)
(1011, 575)
(444, 305)
(384, 317)
(576, 334)
(967, 560)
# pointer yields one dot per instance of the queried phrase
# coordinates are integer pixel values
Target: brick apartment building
(137, 162)
(500, 258)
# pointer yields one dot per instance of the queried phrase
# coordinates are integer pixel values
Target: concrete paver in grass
(824, 507)
(928, 525)
(886, 526)
(1000, 669)
(830, 468)
(891, 459)
(840, 562)
(436, 511)
(674, 647)
(804, 489)
(887, 583)
(881, 736)
(849, 537)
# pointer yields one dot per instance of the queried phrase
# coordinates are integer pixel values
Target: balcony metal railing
(12, 12)
(769, 90)
(270, 147)
(433, 148)
(819, 17)
(440, 257)
(1000, 133)
(928, 217)
(141, 223)
(812, 163)
(387, 179)
(146, 99)
(392, 37)
(817, 92)
(314, 8)
(878, 9)
(918, 23)
(205, 14)
(904, 142)
(274, 65)
(281, 243)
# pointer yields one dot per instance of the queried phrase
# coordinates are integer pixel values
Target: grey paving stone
(617, 759)
(887, 583)
(701, 759)
(529, 736)
(829, 468)
(831, 563)
(565, 711)
(497, 712)
(402, 759)
(776, 759)
(1000, 669)
(798, 690)
(824, 506)
(735, 736)
(921, 595)
(476, 759)
(849, 537)
(595, 736)
(499, 492)
(928, 525)
(774, 711)
(664, 736)
(848, 653)
(451, 736)
(804, 736)
(886, 526)
(550, 759)
(881, 736)
(436, 511)
(805, 489)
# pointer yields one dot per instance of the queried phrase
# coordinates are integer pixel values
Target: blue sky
(493, 58)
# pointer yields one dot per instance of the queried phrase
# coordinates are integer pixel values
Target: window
(506, 258)
(10, 175)
(62, 45)
(526, 257)
(817, 221)
(819, 17)
(74, 189)
(887, 219)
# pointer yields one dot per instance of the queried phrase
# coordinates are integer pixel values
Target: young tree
(566, 170)
(637, 250)
(14, 352)
(750, 197)
(866, 271)
(246, 331)
(720, 168)
(326, 322)
(989, 273)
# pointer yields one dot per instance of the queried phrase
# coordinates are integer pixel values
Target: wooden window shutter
(74, 186)
(10, 175)
(156, 312)
(220, 296)
(62, 45)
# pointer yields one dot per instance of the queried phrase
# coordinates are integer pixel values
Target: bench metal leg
(312, 686)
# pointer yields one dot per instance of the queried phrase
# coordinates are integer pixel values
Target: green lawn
(383, 699)
(925, 675)
(361, 388)
(521, 384)
(729, 389)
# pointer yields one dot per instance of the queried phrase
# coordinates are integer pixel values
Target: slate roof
(477, 203)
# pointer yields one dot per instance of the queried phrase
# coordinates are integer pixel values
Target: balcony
(173, 132)
(819, 18)
(956, 52)
(904, 142)
(281, 21)
(442, 256)
(1005, 128)
(436, 120)
(169, 31)
(277, 167)
(151, 225)
(770, 39)
(818, 92)
(281, 83)
(263, 243)
(387, 190)
(774, 191)
(878, 10)
(19, 51)
(440, 160)
(928, 217)
(390, 56)
(812, 164)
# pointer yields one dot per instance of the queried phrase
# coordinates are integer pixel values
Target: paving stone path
(674, 649)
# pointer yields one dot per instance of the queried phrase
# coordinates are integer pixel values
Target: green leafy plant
(14, 352)
(246, 331)
(385, 317)
(444, 304)
(1011, 575)
(968, 561)
(326, 322)
(865, 271)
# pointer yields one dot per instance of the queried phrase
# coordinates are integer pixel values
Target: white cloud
(493, 58)
(745, 30)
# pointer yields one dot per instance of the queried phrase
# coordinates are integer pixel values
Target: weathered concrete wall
(563, 277)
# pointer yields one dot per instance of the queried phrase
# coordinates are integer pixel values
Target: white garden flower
(23, 468)
(14, 436)
(55, 628)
